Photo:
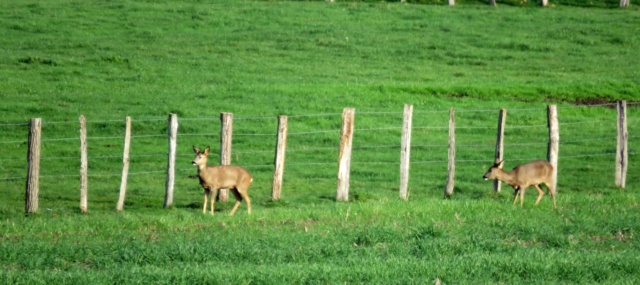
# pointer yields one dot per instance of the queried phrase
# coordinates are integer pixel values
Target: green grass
(309, 60)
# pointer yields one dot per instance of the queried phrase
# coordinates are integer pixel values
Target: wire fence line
(466, 145)
(271, 117)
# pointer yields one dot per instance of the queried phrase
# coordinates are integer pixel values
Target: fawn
(213, 178)
(523, 176)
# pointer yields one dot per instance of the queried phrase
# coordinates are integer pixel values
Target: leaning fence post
(171, 161)
(554, 142)
(125, 164)
(621, 149)
(452, 154)
(502, 120)
(33, 160)
(84, 165)
(281, 149)
(405, 151)
(226, 134)
(344, 158)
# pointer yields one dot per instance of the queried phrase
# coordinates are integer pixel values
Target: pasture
(309, 60)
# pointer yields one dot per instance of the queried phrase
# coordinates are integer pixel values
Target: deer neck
(202, 170)
(507, 177)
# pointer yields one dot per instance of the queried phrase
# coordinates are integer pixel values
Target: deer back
(533, 173)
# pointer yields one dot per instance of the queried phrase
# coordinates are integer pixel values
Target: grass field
(309, 60)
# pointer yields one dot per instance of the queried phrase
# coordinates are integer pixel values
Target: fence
(472, 124)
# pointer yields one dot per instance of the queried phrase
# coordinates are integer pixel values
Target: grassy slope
(109, 59)
(136, 58)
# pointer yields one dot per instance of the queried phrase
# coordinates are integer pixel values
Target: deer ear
(196, 150)
(500, 164)
(206, 151)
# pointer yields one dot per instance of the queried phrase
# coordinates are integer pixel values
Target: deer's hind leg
(540, 193)
(552, 192)
(246, 198)
(236, 193)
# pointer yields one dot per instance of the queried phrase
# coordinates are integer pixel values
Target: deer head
(201, 156)
(493, 172)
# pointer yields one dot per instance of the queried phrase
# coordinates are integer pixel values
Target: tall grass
(308, 60)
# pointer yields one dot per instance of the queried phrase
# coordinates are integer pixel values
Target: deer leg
(238, 200)
(246, 198)
(204, 207)
(515, 194)
(522, 195)
(553, 194)
(540, 193)
(212, 198)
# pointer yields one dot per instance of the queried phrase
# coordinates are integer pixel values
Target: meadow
(309, 60)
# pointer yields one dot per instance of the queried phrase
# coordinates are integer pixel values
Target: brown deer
(213, 178)
(523, 176)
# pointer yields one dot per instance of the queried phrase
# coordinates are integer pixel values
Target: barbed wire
(289, 150)
(13, 124)
(213, 118)
(586, 122)
(314, 163)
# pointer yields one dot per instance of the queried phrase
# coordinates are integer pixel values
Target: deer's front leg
(204, 206)
(522, 196)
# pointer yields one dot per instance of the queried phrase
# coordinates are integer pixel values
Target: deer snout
(194, 162)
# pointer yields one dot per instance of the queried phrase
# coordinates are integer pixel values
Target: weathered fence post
(502, 120)
(624, 3)
(171, 161)
(33, 160)
(125, 164)
(405, 151)
(544, 3)
(281, 150)
(344, 159)
(452, 2)
(84, 165)
(226, 134)
(554, 142)
(621, 149)
(448, 191)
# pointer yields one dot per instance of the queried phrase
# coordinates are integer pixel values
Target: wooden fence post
(125, 164)
(544, 3)
(344, 159)
(226, 134)
(171, 161)
(33, 160)
(554, 142)
(621, 149)
(502, 120)
(84, 165)
(405, 151)
(452, 154)
(281, 149)
(452, 2)
(624, 3)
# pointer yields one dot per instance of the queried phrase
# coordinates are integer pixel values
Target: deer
(213, 178)
(524, 175)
